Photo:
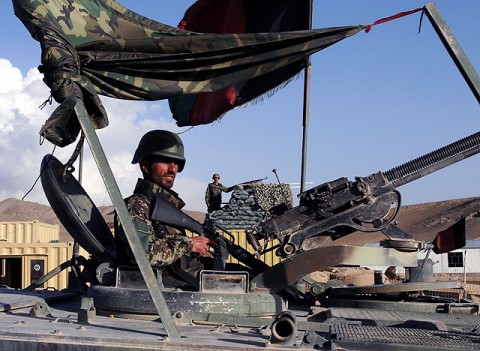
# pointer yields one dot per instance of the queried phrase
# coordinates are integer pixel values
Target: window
(455, 259)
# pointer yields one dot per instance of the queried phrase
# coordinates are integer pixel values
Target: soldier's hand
(201, 244)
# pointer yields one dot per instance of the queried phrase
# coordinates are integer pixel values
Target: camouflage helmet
(161, 143)
(215, 175)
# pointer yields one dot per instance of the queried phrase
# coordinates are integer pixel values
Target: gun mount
(368, 204)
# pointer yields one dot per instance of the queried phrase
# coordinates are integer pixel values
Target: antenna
(281, 187)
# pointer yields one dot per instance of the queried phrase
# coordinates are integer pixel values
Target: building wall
(469, 257)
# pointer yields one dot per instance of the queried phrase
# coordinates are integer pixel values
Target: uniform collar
(150, 190)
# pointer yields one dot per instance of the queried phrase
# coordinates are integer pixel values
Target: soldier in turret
(160, 154)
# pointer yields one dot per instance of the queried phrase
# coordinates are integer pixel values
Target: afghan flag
(239, 16)
(452, 238)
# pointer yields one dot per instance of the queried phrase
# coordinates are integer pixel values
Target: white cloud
(20, 98)
(10, 74)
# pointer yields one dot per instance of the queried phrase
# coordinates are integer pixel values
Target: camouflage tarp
(103, 48)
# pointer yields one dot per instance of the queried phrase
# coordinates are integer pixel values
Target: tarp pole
(306, 111)
(454, 49)
(126, 220)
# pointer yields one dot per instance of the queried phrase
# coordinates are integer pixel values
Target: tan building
(29, 250)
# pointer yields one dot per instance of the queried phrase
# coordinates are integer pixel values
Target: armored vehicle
(108, 306)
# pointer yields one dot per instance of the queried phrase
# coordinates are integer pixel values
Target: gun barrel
(434, 161)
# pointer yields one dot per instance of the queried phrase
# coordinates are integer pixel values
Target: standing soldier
(213, 194)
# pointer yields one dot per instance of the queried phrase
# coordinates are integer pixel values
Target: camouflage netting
(250, 203)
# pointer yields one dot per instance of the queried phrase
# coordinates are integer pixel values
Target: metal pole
(124, 216)
(454, 49)
(306, 111)
(76, 245)
(80, 165)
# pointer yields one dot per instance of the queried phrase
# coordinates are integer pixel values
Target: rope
(391, 18)
(69, 165)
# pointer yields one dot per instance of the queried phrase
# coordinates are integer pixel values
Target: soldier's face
(160, 170)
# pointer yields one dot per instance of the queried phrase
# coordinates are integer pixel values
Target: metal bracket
(41, 310)
(87, 311)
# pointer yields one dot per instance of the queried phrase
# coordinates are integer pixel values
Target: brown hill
(422, 221)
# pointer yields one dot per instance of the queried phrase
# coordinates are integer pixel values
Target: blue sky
(377, 100)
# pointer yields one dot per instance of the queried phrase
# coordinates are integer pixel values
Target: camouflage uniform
(163, 245)
(213, 196)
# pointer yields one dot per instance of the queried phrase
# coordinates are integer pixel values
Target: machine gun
(368, 204)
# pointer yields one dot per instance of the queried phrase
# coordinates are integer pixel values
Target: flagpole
(306, 110)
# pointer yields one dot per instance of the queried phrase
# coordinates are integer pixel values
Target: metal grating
(405, 336)
(382, 318)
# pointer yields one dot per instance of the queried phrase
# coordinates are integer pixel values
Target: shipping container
(21, 264)
(28, 232)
